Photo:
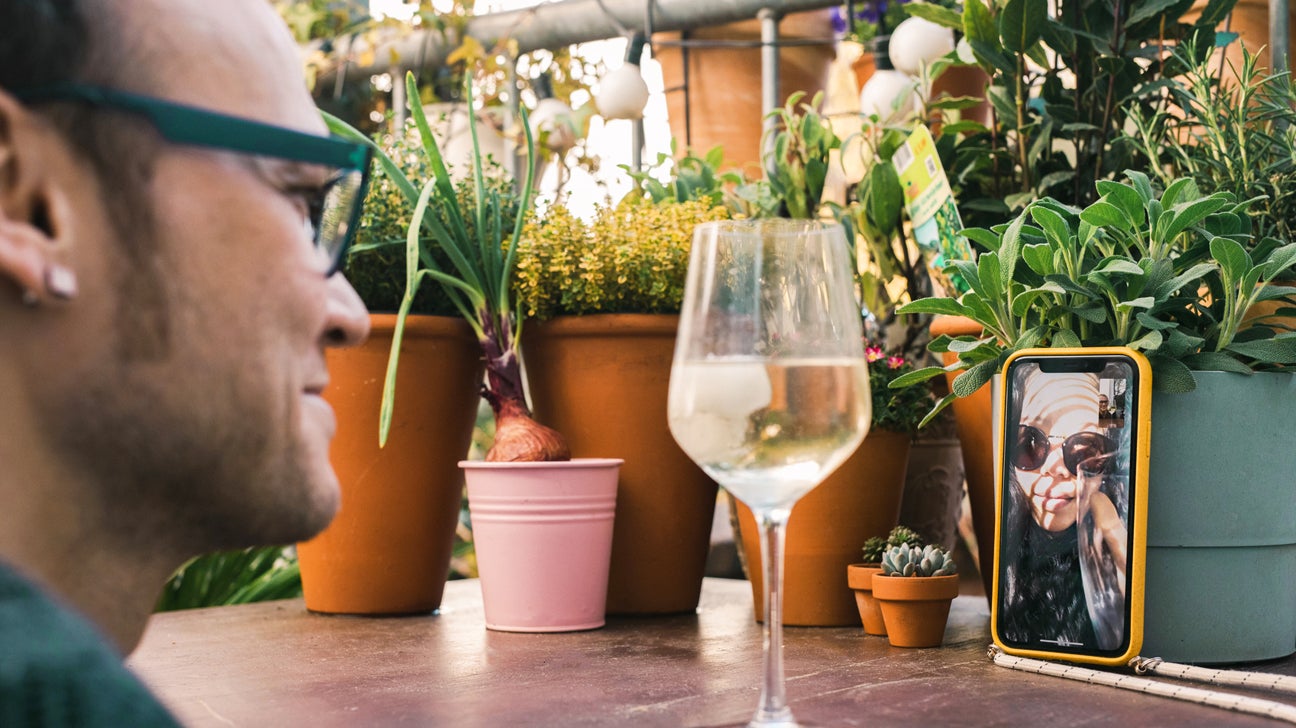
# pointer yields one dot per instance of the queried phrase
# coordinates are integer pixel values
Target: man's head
(163, 309)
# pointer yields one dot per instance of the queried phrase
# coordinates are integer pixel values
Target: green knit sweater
(57, 670)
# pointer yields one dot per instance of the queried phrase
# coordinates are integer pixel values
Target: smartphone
(1072, 504)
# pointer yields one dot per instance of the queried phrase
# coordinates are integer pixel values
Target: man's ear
(32, 209)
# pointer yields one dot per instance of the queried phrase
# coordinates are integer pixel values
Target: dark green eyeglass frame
(189, 125)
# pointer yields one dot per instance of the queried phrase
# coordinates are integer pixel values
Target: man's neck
(108, 570)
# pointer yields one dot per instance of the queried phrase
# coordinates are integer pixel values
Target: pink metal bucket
(543, 534)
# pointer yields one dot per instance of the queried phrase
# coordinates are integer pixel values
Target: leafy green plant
(233, 577)
(797, 156)
(1062, 88)
(1235, 133)
(691, 178)
(1168, 275)
(890, 270)
(375, 265)
(897, 410)
(631, 258)
(478, 282)
(904, 560)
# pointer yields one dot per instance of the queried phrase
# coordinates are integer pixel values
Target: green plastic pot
(1221, 532)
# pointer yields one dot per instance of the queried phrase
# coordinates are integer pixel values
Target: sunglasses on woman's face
(1091, 450)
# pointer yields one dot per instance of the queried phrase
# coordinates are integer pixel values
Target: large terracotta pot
(970, 81)
(724, 84)
(602, 381)
(543, 532)
(933, 492)
(973, 419)
(388, 549)
(827, 531)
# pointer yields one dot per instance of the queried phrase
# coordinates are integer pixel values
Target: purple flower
(838, 20)
(871, 12)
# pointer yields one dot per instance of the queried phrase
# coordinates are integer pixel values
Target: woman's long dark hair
(1040, 587)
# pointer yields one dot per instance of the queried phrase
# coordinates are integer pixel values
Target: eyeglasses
(1092, 450)
(333, 210)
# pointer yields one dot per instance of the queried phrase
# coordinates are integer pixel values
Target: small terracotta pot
(915, 608)
(860, 578)
(543, 533)
(973, 418)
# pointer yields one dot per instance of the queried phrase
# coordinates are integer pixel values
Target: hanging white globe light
(916, 42)
(622, 93)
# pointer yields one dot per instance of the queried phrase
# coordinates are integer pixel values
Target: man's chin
(320, 509)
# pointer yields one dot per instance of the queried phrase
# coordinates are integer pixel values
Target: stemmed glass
(769, 388)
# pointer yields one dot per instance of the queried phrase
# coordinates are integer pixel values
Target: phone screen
(1065, 537)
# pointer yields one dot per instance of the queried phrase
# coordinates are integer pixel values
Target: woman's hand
(1109, 531)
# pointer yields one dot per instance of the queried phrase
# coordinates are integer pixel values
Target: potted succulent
(533, 579)
(388, 550)
(606, 296)
(830, 524)
(1172, 275)
(859, 577)
(914, 591)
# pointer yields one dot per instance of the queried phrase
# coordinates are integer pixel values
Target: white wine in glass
(769, 388)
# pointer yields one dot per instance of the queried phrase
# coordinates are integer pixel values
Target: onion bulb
(519, 438)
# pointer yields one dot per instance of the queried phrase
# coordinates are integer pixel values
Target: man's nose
(348, 319)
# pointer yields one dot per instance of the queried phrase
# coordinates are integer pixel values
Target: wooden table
(275, 664)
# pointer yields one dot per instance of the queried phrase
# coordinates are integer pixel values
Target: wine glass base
(775, 724)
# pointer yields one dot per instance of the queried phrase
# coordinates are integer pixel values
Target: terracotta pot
(959, 81)
(1268, 311)
(973, 419)
(827, 531)
(915, 608)
(864, 66)
(543, 534)
(602, 382)
(388, 549)
(859, 577)
(933, 492)
(724, 84)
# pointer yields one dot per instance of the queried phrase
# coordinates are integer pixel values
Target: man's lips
(315, 402)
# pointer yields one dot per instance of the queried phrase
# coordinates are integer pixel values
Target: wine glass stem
(773, 710)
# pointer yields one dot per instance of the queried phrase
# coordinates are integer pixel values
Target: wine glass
(769, 387)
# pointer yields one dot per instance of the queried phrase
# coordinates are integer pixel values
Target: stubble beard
(172, 460)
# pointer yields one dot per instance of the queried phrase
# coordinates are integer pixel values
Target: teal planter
(1221, 532)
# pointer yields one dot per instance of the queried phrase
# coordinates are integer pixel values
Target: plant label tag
(930, 203)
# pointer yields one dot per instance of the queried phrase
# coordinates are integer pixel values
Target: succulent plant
(873, 549)
(930, 560)
(877, 545)
(902, 535)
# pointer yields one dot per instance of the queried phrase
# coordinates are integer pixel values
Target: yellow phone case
(1138, 503)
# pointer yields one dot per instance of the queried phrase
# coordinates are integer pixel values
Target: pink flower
(895, 362)
(873, 353)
